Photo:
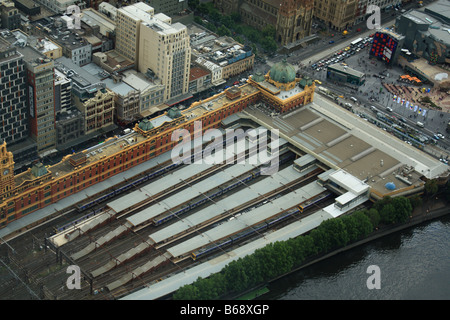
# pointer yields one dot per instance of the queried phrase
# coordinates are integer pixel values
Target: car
(331, 42)
(389, 109)
(235, 83)
(440, 136)
(436, 137)
(317, 81)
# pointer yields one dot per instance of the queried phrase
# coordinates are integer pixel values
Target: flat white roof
(349, 182)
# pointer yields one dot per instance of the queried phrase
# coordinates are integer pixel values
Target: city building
(41, 99)
(73, 45)
(165, 50)
(99, 30)
(222, 56)
(342, 73)
(425, 32)
(69, 128)
(91, 96)
(108, 10)
(338, 15)
(151, 98)
(63, 92)
(156, 46)
(42, 185)
(60, 6)
(128, 23)
(126, 98)
(199, 79)
(28, 7)
(386, 46)
(14, 126)
(10, 15)
(292, 19)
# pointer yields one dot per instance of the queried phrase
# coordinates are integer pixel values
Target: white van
(419, 124)
(354, 99)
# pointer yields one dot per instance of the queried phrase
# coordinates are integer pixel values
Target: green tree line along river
(279, 258)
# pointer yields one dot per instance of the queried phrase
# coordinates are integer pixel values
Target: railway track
(48, 268)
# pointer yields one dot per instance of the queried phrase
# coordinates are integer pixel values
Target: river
(413, 264)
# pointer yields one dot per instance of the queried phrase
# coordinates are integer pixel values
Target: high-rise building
(165, 50)
(128, 23)
(13, 94)
(41, 95)
(154, 44)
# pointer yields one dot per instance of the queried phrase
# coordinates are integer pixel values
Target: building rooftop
(94, 18)
(342, 68)
(118, 87)
(342, 141)
(436, 28)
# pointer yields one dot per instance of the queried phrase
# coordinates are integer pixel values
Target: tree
(351, 227)
(402, 209)
(236, 276)
(223, 31)
(320, 239)
(374, 216)
(269, 31)
(387, 214)
(363, 223)
(236, 17)
(416, 201)
(269, 44)
(336, 231)
(187, 292)
(431, 187)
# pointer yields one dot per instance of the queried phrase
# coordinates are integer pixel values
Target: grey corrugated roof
(248, 219)
(232, 201)
(195, 190)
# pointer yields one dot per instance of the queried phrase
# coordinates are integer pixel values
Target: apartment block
(154, 44)
(165, 49)
(128, 23)
(41, 96)
(13, 95)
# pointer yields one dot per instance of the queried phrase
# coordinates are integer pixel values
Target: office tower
(13, 95)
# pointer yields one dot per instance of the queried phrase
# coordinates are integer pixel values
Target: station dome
(390, 186)
(282, 72)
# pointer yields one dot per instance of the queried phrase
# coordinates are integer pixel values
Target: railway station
(154, 225)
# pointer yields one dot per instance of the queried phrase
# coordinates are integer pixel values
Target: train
(315, 200)
(261, 227)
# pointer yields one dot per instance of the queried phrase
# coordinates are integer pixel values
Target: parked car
(331, 42)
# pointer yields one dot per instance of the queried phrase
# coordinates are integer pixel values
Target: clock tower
(7, 183)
